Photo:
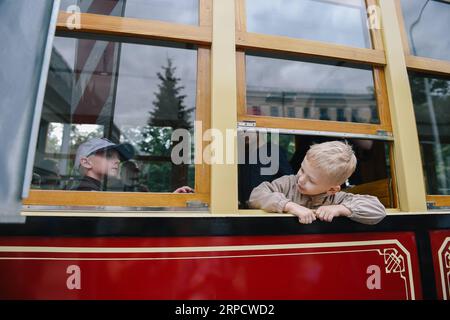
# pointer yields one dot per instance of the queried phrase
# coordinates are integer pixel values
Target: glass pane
(427, 24)
(136, 95)
(296, 89)
(178, 11)
(285, 153)
(431, 97)
(341, 22)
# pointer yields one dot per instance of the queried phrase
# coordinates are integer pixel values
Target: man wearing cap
(97, 158)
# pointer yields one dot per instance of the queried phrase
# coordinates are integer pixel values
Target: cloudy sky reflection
(430, 36)
(337, 21)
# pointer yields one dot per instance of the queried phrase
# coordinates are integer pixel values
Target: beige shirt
(273, 197)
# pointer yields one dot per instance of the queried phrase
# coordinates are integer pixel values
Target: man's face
(312, 181)
(105, 163)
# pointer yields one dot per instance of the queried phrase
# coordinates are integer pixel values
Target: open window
(270, 155)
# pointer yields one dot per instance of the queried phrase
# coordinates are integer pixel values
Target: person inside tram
(49, 175)
(96, 159)
(129, 175)
(250, 172)
(99, 158)
(315, 191)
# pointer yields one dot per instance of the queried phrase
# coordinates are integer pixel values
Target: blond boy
(314, 193)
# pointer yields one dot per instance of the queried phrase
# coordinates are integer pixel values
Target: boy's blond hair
(335, 158)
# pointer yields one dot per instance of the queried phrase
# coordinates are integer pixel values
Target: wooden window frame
(418, 63)
(428, 66)
(308, 48)
(123, 27)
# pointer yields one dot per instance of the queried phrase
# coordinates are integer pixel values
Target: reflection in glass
(341, 22)
(427, 24)
(128, 93)
(372, 175)
(177, 11)
(295, 89)
(431, 97)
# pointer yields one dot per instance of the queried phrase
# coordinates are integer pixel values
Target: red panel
(292, 267)
(440, 246)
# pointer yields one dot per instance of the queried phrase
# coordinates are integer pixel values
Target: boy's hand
(327, 213)
(305, 215)
(184, 189)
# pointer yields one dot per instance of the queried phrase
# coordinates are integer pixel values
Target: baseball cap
(125, 150)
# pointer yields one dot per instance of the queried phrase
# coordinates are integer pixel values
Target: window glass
(178, 11)
(340, 22)
(131, 94)
(284, 153)
(431, 97)
(288, 88)
(427, 23)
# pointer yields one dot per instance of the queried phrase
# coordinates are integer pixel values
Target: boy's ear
(85, 163)
(334, 190)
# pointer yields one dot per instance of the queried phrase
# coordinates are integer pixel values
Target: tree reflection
(169, 114)
(431, 97)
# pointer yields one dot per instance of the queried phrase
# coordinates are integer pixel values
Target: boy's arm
(364, 208)
(271, 196)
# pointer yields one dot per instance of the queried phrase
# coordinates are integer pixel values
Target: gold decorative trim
(444, 267)
(393, 258)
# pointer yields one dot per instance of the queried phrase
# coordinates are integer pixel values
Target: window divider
(137, 28)
(377, 39)
(428, 65)
(401, 25)
(301, 47)
(205, 13)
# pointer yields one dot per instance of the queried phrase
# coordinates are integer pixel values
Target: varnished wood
(205, 13)
(401, 22)
(122, 199)
(203, 114)
(309, 48)
(375, 34)
(138, 28)
(241, 84)
(393, 176)
(241, 16)
(314, 125)
(427, 65)
(382, 98)
(380, 189)
(439, 201)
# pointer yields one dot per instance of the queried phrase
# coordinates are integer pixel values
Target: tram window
(309, 90)
(127, 93)
(431, 97)
(342, 21)
(178, 11)
(426, 25)
(372, 175)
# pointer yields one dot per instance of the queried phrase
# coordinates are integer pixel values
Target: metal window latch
(196, 204)
(431, 205)
(384, 133)
(247, 123)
